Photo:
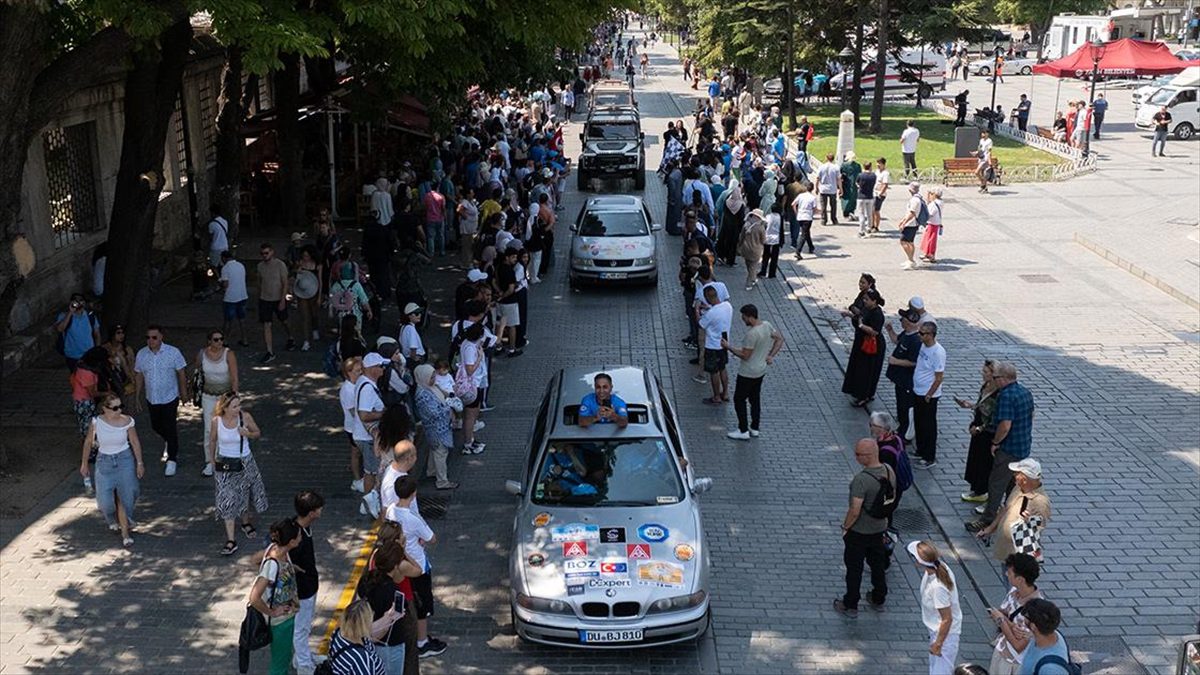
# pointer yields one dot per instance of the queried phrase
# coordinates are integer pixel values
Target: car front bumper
(609, 165)
(613, 275)
(657, 629)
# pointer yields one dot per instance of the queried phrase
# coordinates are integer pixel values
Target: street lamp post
(845, 55)
(995, 67)
(1097, 54)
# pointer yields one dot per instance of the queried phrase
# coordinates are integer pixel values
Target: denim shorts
(234, 310)
(116, 474)
(370, 461)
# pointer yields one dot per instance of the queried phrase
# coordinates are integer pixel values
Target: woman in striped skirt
(239, 485)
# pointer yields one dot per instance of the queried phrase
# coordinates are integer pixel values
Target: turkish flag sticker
(637, 551)
(574, 549)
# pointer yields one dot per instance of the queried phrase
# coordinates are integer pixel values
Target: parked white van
(1182, 99)
(924, 68)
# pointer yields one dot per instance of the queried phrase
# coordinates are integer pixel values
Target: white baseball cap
(374, 360)
(916, 302)
(1028, 466)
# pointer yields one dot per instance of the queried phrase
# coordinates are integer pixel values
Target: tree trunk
(880, 69)
(151, 90)
(789, 75)
(290, 145)
(228, 141)
(857, 92)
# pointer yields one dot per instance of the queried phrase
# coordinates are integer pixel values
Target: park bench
(962, 170)
(1045, 133)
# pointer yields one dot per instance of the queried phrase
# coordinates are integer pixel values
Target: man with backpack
(872, 500)
(914, 219)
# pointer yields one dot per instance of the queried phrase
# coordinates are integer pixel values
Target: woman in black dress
(731, 218)
(866, 356)
(983, 426)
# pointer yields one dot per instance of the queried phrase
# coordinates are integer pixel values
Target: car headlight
(543, 605)
(642, 262)
(677, 603)
(584, 262)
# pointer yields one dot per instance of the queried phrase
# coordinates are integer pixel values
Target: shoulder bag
(231, 464)
(1027, 534)
(256, 628)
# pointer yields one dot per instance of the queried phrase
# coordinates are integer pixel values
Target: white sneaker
(480, 424)
(916, 263)
(907, 265)
(738, 435)
(208, 471)
(754, 433)
(357, 485)
(170, 470)
(305, 347)
(165, 456)
(362, 508)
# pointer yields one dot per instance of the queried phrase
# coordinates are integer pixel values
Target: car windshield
(633, 472)
(608, 130)
(613, 224)
(1162, 96)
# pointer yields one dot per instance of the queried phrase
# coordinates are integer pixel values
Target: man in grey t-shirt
(762, 343)
(863, 535)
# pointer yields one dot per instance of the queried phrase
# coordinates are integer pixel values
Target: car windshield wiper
(626, 502)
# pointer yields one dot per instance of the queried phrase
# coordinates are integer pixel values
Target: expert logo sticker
(637, 551)
(653, 532)
(575, 532)
(612, 535)
(610, 583)
(542, 519)
(574, 549)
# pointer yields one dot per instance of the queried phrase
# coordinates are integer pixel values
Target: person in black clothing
(507, 298)
(388, 573)
(902, 363)
(304, 559)
(960, 102)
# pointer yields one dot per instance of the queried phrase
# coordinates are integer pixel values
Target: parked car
(1188, 55)
(1013, 66)
(608, 547)
(774, 87)
(612, 241)
(1142, 93)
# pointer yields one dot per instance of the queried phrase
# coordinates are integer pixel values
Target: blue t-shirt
(590, 407)
(1015, 404)
(77, 339)
(714, 89)
(1033, 654)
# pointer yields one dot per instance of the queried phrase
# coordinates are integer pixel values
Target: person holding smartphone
(603, 406)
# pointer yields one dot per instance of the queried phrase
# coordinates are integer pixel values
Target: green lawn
(937, 139)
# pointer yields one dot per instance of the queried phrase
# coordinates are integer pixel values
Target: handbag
(464, 385)
(198, 387)
(256, 629)
(870, 345)
(1027, 534)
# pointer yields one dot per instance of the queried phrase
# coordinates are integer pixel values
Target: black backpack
(1055, 660)
(389, 396)
(885, 499)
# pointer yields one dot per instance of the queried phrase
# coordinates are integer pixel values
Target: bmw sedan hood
(613, 248)
(634, 554)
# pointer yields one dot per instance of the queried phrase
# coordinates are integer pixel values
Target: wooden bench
(962, 170)
(1044, 132)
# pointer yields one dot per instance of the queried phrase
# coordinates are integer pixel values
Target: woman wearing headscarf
(766, 192)
(866, 356)
(732, 216)
(750, 245)
(850, 170)
(434, 409)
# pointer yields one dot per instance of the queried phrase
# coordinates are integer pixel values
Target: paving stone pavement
(1113, 364)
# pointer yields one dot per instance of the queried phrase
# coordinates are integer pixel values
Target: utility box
(966, 140)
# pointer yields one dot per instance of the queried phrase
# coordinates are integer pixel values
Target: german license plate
(614, 275)
(588, 636)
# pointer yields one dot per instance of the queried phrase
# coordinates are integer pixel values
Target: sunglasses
(217, 338)
(115, 407)
(153, 337)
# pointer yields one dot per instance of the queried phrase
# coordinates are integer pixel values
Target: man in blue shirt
(1013, 440)
(79, 329)
(603, 407)
(1047, 648)
(1099, 107)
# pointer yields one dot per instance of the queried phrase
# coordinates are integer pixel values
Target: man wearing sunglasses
(161, 372)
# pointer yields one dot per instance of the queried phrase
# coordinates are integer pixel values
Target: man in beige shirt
(1027, 499)
(273, 299)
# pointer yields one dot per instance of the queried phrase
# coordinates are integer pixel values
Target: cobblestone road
(1113, 364)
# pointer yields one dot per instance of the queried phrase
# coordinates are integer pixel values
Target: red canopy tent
(1122, 57)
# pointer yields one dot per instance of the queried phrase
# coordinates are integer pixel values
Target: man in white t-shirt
(233, 281)
(883, 178)
(927, 389)
(418, 536)
(805, 205)
(984, 155)
(716, 323)
(368, 407)
(218, 238)
(404, 457)
(908, 147)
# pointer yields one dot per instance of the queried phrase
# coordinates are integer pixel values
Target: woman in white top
(118, 464)
(933, 227)
(237, 478)
(352, 369)
(940, 610)
(220, 376)
(772, 242)
(411, 345)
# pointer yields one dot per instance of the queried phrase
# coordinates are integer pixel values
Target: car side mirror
(581, 136)
(701, 485)
(655, 227)
(514, 487)
(574, 227)
(642, 134)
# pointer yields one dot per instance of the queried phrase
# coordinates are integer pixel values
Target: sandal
(230, 547)
(713, 400)
(448, 486)
(248, 530)
(127, 542)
